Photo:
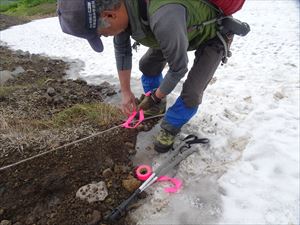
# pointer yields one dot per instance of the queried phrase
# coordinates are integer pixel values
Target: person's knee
(143, 65)
(151, 66)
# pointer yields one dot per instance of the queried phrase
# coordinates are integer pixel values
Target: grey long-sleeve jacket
(168, 24)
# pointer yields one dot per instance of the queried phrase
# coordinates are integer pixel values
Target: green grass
(28, 8)
(5, 5)
(7, 90)
(96, 113)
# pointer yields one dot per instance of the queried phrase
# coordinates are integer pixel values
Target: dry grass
(28, 136)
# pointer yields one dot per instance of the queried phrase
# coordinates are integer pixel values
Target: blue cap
(80, 18)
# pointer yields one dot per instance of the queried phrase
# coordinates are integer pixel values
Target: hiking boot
(155, 108)
(164, 141)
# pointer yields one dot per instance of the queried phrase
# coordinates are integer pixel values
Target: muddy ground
(40, 110)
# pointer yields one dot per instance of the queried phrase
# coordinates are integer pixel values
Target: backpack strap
(213, 6)
(143, 5)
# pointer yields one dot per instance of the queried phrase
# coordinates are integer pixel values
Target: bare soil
(42, 191)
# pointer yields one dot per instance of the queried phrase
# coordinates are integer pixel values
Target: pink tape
(177, 184)
(143, 172)
(128, 123)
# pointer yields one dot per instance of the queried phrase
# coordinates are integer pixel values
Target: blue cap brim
(96, 44)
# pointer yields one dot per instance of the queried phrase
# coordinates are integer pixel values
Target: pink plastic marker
(177, 184)
(143, 172)
(148, 93)
(129, 123)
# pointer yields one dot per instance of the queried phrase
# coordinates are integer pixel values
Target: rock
(107, 173)
(96, 217)
(49, 99)
(131, 151)
(73, 97)
(17, 71)
(278, 95)
(51, 91)
(119, 169)
(106, 89)
(110, 92)
(58, 100)
(31, 71)
(104, 84)
(147, 127)
(93, 192)
(22, 53)
(131, 183)
(129, 145)
(1, 211)
(5, 222)
(5, 75)
(46, 69)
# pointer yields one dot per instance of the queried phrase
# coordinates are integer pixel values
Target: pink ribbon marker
(143, 172)
(129, 123)
(148, 93)
(177, 184)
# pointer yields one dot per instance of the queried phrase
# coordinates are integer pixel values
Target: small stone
(129, 145)
(5, 222)
(47, 69)
(95, 218)
(248, 99)
(31, 71)
(110, 92)
(131, 184)
(278, 95)
(107, 173)
(5, 75)
(58, 100)
(147, 128)
(73, 97)
(120, 169)
(51, 91)
(132, 151)
(49, 99)
(17, 71)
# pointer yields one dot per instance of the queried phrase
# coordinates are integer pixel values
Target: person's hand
(128, 104)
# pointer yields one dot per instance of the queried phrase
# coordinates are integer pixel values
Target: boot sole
(162, 149)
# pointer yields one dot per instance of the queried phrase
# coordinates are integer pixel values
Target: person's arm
(123, 56)
(128, 104)
(168, 24)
